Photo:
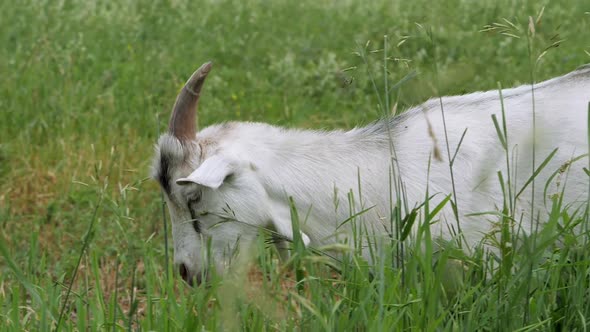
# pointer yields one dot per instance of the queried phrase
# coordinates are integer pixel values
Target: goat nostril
(183, 272)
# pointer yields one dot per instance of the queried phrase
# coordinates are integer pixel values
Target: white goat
(249, 170)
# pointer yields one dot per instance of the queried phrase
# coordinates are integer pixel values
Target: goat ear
(211, 173)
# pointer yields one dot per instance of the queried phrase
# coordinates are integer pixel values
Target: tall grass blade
(85, 244)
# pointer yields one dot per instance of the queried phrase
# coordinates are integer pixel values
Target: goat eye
(194, 199)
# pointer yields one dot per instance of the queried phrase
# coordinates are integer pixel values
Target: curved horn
(184, 114)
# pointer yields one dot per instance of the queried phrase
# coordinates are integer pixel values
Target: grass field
(85, 88)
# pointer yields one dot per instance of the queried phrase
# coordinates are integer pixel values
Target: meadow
(86, 87)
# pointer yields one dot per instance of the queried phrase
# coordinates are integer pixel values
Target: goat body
(246, 172)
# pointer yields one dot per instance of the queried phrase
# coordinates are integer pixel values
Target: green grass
(85, 88)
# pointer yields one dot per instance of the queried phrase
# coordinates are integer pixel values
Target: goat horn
(183, 123)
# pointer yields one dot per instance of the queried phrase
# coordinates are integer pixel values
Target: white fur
(319, 169)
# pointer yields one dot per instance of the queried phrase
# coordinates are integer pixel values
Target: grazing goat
(251, 172)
